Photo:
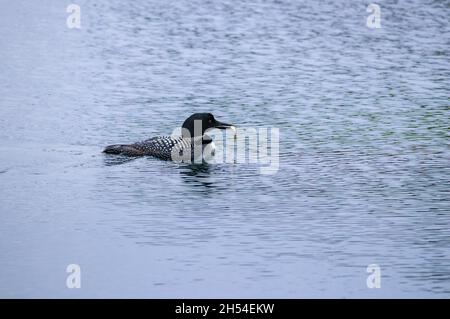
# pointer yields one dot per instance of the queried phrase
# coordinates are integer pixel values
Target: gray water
(364, 172)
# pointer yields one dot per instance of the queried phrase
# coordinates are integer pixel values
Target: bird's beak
(224, 126)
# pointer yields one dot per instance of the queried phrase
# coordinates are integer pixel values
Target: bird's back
(162, 147)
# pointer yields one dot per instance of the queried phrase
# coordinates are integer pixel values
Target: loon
(172, 148)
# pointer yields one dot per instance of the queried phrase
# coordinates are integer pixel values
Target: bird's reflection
(198, 174)
(117, 160)
(195, 169)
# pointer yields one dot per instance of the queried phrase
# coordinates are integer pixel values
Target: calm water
(364, 172)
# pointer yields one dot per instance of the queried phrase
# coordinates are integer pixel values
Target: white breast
(208, 151)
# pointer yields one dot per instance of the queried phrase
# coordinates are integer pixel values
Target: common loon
(192, 141)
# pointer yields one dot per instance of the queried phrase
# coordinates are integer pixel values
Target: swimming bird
(189, 146)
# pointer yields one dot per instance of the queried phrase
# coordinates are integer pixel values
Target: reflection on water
(117, 160)
(198, 174)
(363, 176)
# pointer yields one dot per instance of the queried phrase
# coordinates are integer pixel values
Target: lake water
(363, 177)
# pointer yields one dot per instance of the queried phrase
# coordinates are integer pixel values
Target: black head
(198, 123)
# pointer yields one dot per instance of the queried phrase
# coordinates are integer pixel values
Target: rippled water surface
(364, 150)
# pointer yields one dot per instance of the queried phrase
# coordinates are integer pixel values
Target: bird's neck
(206, 139)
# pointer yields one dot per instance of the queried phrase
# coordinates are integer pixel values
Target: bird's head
(196, 125)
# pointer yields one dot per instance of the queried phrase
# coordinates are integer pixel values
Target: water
(364, 154)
